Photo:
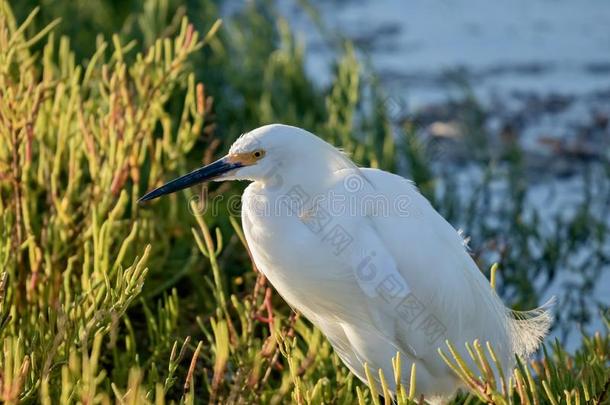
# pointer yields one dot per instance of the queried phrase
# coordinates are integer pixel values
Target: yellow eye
(257, 154)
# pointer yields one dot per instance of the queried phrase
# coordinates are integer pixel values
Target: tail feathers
(528, 328)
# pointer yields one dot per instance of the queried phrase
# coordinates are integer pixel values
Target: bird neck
(310, 179)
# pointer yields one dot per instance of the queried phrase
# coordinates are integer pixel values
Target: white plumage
(366, 258)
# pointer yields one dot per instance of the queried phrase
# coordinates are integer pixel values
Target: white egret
(365, 257)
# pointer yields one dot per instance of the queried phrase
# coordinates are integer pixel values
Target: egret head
(256, 156)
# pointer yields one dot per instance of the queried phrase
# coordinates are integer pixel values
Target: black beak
(206, 173)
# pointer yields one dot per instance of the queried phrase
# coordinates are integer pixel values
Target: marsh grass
(104, 301)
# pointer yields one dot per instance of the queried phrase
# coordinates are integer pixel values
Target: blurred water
(519, 55)
(542, 45)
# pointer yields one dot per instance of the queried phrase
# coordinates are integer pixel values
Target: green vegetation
(104, 301)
